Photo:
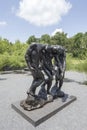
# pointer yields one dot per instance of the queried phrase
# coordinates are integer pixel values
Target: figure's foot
(56, 92)
(42, 93)
(49, 98)
(60, 94)
(30, 93)
(30, 99)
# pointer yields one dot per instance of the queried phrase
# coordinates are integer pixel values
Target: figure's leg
(56, 77)
(38, 79)
(62, 71)
(48, 81)
(61, 79)
(34, 85)
(60, 83)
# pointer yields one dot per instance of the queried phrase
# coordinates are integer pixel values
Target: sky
(19, 19)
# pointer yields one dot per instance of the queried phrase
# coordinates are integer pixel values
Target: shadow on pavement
(71, 80)
(3, 78)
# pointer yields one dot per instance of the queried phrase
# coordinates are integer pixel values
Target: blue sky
(20, 19)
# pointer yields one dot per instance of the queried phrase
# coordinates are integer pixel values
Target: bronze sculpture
(46, 62)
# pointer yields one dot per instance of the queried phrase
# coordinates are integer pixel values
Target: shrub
(4, 61)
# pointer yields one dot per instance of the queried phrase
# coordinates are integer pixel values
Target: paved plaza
(13, 88)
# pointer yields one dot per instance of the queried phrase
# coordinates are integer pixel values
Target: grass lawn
(76, 64)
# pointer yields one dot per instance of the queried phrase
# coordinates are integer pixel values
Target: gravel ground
(13, 87)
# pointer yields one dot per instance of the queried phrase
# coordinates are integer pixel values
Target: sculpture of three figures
(47, 65)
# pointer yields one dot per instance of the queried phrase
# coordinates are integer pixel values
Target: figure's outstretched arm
(28, 60)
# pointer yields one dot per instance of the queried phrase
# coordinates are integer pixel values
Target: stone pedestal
(37, 116)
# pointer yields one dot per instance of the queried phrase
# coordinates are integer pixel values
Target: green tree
(84, 40)
(45, 39)
(5, 46)
(77, 48)
(59, 39)
(78, 40)
(31, 39)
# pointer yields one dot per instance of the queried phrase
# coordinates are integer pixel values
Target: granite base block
(36, 117)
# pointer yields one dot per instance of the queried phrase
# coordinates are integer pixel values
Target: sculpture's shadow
(71, 80)
(3, 78)
(64, 99)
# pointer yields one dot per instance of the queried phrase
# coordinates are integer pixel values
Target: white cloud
(57, 30)
(3, 23)
(43, 12)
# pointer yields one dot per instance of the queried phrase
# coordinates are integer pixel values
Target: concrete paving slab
(40, 115)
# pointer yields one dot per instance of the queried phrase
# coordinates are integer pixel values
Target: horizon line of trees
(76, 45)
(12, 55)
